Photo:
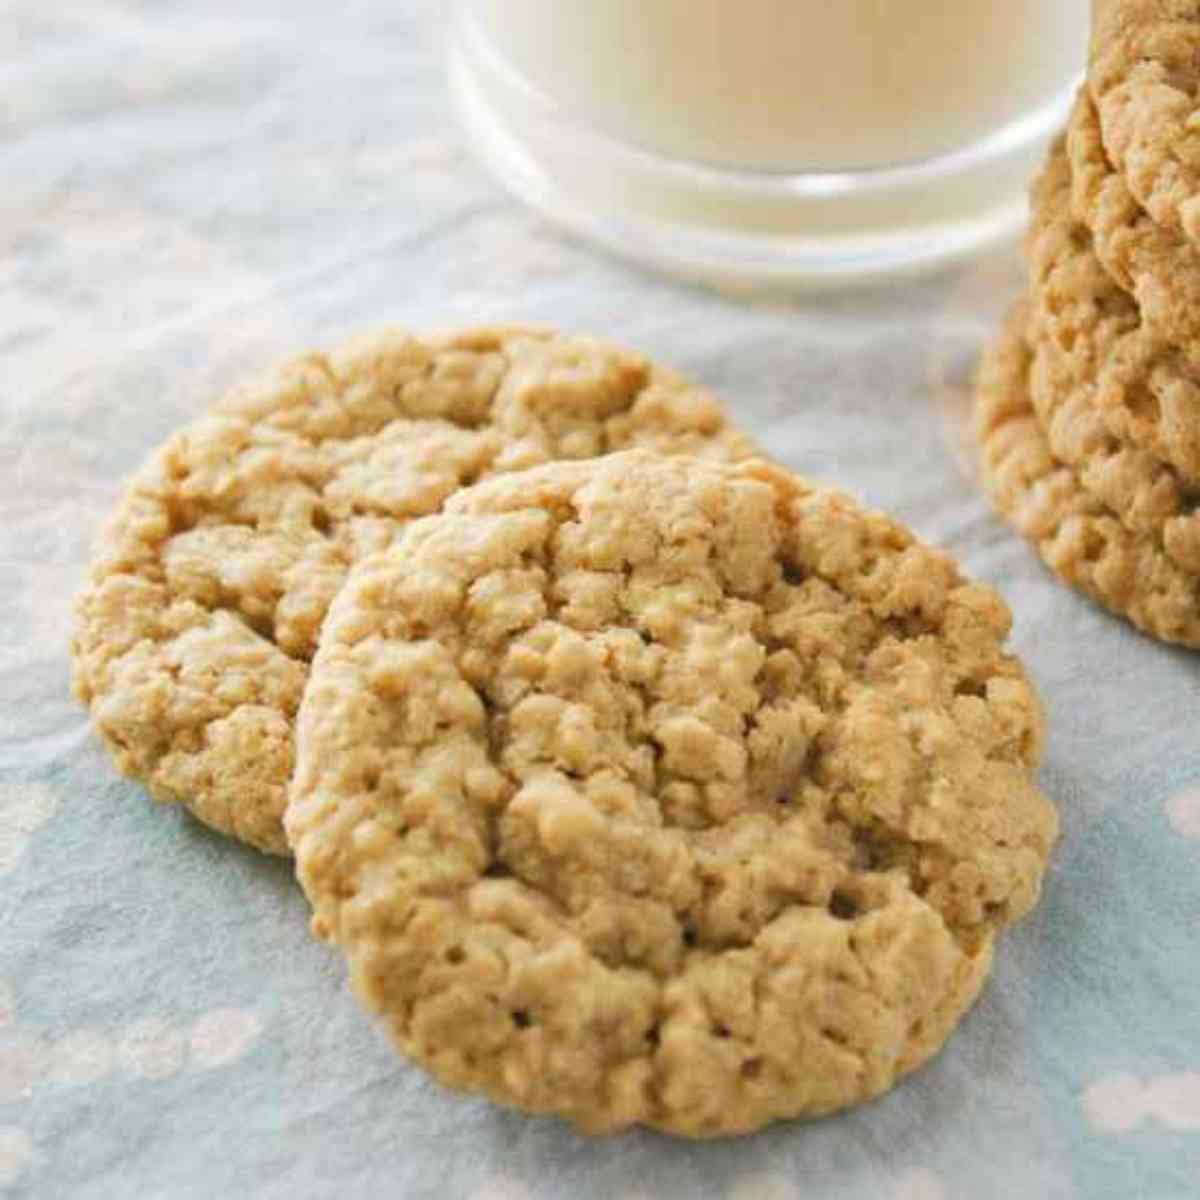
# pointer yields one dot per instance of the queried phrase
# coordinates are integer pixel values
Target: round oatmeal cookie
(1077, 316)
(1075, 533)
(1145, 388)
(209, 586)
(682, 794)
(1144, 75)
(1159, 267)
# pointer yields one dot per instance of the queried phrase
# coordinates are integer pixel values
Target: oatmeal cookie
(683, 794)
(1158, 267)
(1077, 535)
(1077, 316)
(1144, 75)
(209, 586)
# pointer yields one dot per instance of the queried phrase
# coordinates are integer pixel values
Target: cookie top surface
(1158, 266)
(666, 792)
(1144, 74)
(212, 578)
(1085, 335)
(1077, 535)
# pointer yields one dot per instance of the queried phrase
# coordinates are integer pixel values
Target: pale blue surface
(189, 190)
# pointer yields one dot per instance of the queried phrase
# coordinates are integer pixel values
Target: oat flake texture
(648, 790)
(1081, 328)
(1158, 267)
(210, 583)
(1132, 573)
(1144, 75)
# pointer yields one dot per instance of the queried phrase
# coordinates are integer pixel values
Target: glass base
(742, 228)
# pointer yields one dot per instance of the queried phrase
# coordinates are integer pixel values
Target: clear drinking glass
(783, 142)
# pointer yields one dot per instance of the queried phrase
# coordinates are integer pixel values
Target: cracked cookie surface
(1157, 266)
(210, 582)
(1075, 532)
(687, 794)
(1144, 75)
(1083, 335)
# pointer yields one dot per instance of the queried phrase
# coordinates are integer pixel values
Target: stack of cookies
(639, 780)
(1089, 405)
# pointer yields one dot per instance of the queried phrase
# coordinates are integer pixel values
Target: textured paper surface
(189, 190)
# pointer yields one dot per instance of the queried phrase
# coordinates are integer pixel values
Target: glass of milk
(777, 142)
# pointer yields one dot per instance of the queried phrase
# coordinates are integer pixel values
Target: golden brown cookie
(1076, 534)
(1146, 389)
(1144, 74)
(1078, 314)
(212, 579)
(677, 793)
(1159, 267)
